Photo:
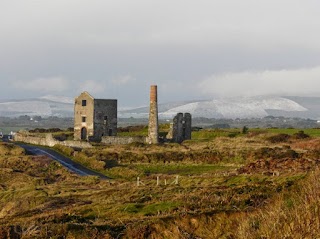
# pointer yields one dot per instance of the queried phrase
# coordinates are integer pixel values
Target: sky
(192, 50)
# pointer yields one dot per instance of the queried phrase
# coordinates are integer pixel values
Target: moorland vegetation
(260, 183)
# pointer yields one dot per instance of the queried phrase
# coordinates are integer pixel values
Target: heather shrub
(279, 138)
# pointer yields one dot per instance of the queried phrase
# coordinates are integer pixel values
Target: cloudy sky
(192, 49)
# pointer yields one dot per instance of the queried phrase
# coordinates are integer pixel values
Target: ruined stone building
(94, 118)
(180, 129)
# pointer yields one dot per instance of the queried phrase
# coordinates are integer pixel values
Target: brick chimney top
(153, 93)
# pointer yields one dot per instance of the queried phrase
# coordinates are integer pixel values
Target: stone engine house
(94, 118)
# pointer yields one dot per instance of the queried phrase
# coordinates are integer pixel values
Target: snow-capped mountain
(45, 106)
(240, 107)
(60, 99)
(237, 107)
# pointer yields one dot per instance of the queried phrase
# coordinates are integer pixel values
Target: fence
(158, 182)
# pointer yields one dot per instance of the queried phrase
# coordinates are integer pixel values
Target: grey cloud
(47, 84)
(250, 83)
(123, 80)
(162, 22)
(99, 44)
(91, 86)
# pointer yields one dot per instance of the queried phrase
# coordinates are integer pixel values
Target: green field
(213, 133)
(311, 132)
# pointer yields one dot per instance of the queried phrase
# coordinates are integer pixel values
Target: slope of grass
(211, 199)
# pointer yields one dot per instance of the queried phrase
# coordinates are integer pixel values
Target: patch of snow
(60, 99)
(254, 107)
(27, 107)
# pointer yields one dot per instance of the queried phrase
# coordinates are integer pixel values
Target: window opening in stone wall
(84, 119)
(84, 102)
(110, 132)
(105, 120)
(184, 131)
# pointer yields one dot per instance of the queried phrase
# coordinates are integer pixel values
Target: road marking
(69, 166)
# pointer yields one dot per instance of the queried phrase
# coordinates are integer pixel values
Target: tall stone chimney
(153, 131)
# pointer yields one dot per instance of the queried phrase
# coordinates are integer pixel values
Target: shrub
(10, 149)
(279, 138)
(275, 153)
(245, 130)
(64, 149)
(301, 135)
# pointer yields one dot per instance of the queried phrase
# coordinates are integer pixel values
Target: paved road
(64, 161)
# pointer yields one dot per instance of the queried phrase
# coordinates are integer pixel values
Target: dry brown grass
(7, 149)
(293, 214)
(308, 144)
(40, 199)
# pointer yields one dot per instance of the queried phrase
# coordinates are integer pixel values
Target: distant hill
(46, 106)
(239, 107)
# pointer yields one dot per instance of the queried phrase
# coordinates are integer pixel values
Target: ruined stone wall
(113, 140)
(180, 129)
(81, 111)
(177, 135)
(48, 140)
(105, 118)
(75, 144)
(187, 126)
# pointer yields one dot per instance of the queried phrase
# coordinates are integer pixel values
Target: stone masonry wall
(187, 126)
(81, 112)
(105, 118)
(123, 140)
(180, 129)
(48, 140)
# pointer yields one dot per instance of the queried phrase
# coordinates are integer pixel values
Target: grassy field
(213, 133)
(311, 132)
(221, 184)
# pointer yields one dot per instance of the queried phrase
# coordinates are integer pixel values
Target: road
(63, 160)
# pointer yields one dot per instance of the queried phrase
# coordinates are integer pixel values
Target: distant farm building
(94, 118)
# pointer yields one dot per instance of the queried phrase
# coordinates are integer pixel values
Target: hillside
(45, 107)
(242, 107)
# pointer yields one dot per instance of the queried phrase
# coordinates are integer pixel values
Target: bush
(64, 150)
(301, 135)
(279, 138)
(245, 130)
(275, 153)
(11, 149)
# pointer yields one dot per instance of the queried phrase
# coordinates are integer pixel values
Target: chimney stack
(153, 131)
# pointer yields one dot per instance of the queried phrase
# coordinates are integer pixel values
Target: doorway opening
(84, 133)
